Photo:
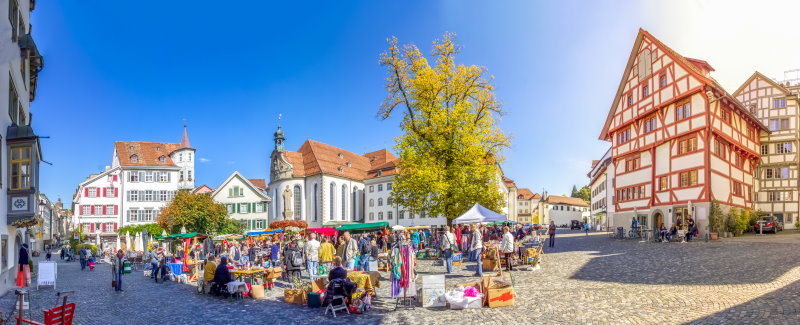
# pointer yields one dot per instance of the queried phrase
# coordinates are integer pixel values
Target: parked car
(575, 225)
(768, 224)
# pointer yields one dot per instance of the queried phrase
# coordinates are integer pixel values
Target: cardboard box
(295, 296)
(499, 297)
(257, 292)
(319, 285)
(491, 265)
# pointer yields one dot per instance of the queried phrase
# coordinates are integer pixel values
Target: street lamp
(183, 229)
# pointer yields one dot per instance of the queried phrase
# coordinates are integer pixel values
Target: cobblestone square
(584, 279)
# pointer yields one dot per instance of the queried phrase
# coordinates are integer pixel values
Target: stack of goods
(298, 293)
(466, 295)
(317, 293)
(491, 259)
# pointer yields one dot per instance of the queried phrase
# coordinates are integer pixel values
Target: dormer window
(158, 148)
(162, 159)
(380, 173)
(348, 164)
(130, 148)
(341, 155)
(341, 169)
(134, 159)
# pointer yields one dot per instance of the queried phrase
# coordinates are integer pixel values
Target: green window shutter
(252, 207)
(236, 207)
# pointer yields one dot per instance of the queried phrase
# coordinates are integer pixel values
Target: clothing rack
(406, 302)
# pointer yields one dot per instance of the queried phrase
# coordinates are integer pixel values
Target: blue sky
(133, 70)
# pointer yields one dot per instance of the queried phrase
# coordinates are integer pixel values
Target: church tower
(184, 158)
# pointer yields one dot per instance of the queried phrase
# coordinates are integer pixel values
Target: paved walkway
(584, 279)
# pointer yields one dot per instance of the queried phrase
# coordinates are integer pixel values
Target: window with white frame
(372, 188)
(380, 215)
(231, 208)
(244, 207)
(401, 215)
(260, 224)
(163, 177)
(110, 191)
(133, 215)
(259, 208)
(87, 228)
(110, 226)
(98, 210)
(92, 192)
(86, 210)
(380, 202)
(389, 215)
(163, 196)
(133, 176)
(380, 187)
(148, 195)
(388, 186)
(109, 209)
(148, 176)
(371, 216)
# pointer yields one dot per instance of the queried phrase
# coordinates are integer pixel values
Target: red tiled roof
(203, 189)
(147, 153)
(537, 196)
(259, 182)
(525, 193)
(509, 182)
(556, 199)
(316, 157)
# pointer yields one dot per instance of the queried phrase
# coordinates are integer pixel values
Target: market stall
(363, 227)
(479, 214)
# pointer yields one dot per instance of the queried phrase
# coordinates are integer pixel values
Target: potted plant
(714, 220)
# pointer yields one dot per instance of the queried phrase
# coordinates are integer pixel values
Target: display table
(249, 275)
(237, 287)
(362, 281)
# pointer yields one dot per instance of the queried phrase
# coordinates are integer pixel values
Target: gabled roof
(244, 180)
(762, 77)
(526, 194)
(698, 68)
(315, 157)
(203, 189)
(147, 153)
(557, 199)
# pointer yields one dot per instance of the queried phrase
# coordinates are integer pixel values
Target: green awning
(364, 226)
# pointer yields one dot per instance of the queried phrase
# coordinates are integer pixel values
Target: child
(90, 263)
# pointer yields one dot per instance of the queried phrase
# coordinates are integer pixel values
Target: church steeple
(185, 139)
(279, 138)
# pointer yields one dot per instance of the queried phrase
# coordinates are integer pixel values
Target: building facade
(527, 206)
(328, 186)
(508, 191)
(142, 180)
(776, 105)
(601, 180)
(562, 209)
(679, 140)
(19, 163)
(245, 201)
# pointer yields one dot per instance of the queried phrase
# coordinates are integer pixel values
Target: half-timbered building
(776, 105)
(679, 140)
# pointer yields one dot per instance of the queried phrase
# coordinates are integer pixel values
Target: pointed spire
(185, 139)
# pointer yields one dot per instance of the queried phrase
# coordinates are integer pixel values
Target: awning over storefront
(364, 226)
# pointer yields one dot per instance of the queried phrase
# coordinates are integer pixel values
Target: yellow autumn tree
(451, 145)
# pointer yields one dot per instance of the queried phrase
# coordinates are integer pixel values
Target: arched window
(298, 202)
(332, 192)
(134, 159)
(315, 202)
(355, 204)
(344, 201)
(380, 202)
(371, 216)
(380, 215)
(372, 202)
(389, 215)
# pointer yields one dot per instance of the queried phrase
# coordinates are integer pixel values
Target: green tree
(585, 193)
(715, 217)
(196, 212)
(451, 146)
(575, 192)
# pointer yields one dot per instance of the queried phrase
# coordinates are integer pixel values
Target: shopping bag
(20, 279)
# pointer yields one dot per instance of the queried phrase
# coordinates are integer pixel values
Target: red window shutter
(104, 209)
(104, 191)
(116, 192)
(114, 178)
(91, 227)
(103, 227)
(92, 209)
(115, 226)
(86, 191)
(115, 211)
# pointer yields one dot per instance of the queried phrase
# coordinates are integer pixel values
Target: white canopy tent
(479, 214)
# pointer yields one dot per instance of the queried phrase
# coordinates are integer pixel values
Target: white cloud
(204, 160)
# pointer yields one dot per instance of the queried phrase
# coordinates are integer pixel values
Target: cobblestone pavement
(584, 279)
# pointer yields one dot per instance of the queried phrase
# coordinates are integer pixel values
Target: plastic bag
(458, 299)
(471, 292)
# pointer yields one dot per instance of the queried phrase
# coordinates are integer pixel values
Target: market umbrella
(98, 239)
(128, 240)
(398, 227)
(119, 245)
